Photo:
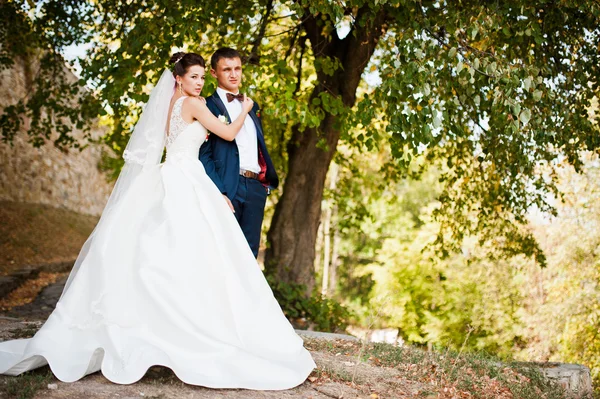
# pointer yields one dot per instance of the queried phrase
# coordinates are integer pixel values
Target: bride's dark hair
(183, 61)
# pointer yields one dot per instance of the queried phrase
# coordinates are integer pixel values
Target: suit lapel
(221, 106)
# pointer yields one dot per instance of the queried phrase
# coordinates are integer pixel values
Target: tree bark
(291, 238)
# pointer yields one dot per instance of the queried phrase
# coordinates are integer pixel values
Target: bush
(314, 312)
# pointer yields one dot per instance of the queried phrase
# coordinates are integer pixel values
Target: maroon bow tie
(231, 97)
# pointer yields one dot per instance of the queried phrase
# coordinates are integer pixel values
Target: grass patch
(158, 375)
(337, 346)
(476, 375)
(23, 332)
(479, 374)
(333, 374)
(26, 385)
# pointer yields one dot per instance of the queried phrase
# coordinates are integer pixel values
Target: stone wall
(46, 175)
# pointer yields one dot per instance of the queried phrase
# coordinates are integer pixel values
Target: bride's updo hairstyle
(183, 61)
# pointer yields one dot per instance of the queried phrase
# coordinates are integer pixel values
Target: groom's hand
(229, 203)
(247, 104)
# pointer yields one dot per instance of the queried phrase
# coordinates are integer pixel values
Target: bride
(166, 277)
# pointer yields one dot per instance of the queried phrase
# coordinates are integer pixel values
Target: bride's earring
(180, 89)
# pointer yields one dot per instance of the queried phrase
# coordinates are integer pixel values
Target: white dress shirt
(246, 139)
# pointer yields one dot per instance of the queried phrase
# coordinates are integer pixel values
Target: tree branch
(286, 31)
(314, 27)
(283, 16)
(299, 73)
(254, 58)
(358, 47)
(288, 52)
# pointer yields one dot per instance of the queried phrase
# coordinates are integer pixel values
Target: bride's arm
(227, 132)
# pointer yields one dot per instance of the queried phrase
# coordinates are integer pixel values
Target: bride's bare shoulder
(196, 101)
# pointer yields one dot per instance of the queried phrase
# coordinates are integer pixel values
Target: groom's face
(228, 74)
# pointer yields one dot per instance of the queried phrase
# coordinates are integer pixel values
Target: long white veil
(144, 150)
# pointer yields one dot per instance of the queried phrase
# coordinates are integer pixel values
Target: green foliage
(438, 302)
(323, 314)
(508, 307)
(493, 98)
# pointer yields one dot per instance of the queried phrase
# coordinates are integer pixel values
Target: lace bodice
(184, 138)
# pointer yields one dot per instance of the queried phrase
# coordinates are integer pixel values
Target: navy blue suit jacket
(221, 158)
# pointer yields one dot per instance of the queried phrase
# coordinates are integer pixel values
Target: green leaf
(474, 31)
(516, 109)
(525, 115)
(426, 89)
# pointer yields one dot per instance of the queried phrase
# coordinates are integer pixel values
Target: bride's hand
(247, 104)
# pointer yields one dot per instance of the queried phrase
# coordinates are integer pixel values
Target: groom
(242, 168)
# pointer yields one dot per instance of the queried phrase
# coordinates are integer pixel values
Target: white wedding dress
(168, 280)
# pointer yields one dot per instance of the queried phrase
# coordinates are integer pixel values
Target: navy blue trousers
(249, 205)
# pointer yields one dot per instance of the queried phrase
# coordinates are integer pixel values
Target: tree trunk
(293, 232)
(291, 239)
(326, 247)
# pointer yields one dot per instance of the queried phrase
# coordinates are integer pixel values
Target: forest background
(440, 159)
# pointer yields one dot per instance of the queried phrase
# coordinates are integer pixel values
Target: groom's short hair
(223, 52)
